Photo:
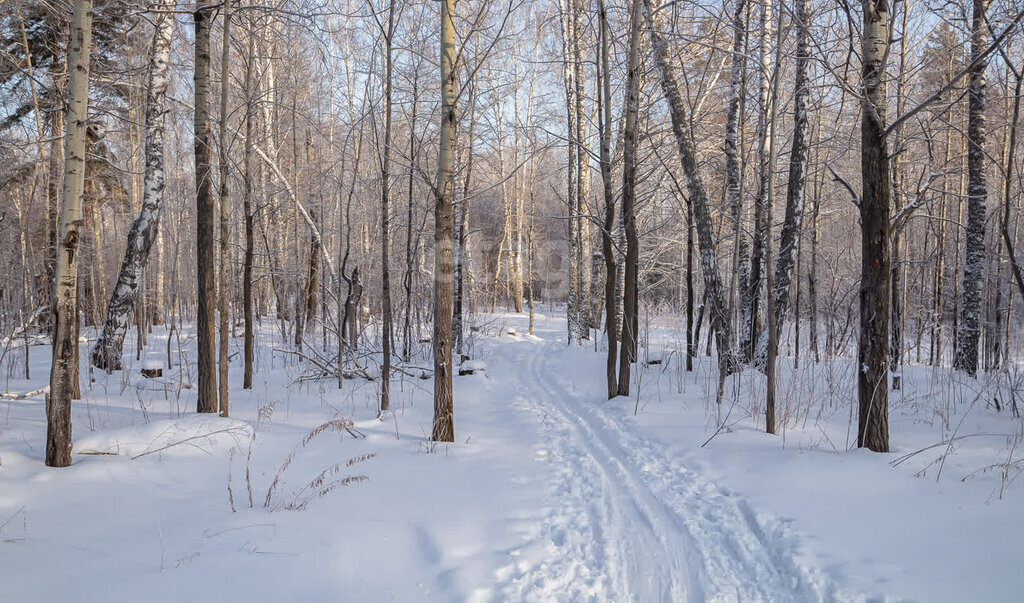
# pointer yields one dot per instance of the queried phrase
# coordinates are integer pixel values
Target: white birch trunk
(106, 353)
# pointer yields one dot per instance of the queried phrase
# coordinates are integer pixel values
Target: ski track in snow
(628, 524)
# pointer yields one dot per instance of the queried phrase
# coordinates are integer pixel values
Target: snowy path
(626, 523)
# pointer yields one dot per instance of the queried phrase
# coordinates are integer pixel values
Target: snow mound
(189, 435)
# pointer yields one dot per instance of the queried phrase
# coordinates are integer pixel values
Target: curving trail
(626, 523)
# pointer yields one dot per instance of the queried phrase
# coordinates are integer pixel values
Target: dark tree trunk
(409, 252)
(969, 328)
(627, 352)
(873, 348)
(205, 254)
(462, 238)
(385, 192)
(607, 249)
(247, 209)
(223, 358)
(751, 311)
(691, 337)
(444, 425)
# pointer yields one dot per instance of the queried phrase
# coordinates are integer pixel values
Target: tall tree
(897, 263)
(767, 208)
(733, 152)
(205, 256)
(388, 31)
(462, 234)
(574, 303)
(444, 427)
(969, 327)
(63, 371)
(106, 353)
(604, 107)
(627, 350)
(793, 225)
(750, 323)
(713, 286)
(873, 347)
(222, 164)
(579, 208)
(247, 209)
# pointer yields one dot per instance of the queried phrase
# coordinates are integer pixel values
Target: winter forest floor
(550, 492)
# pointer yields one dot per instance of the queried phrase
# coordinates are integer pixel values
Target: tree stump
(153, 369)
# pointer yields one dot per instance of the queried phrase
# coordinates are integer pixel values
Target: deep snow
(550, 492)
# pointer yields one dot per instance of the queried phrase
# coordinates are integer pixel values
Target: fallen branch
(907, 457)
(234, 429)
(14, 396)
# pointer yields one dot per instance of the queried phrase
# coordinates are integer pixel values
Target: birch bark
(106, 353)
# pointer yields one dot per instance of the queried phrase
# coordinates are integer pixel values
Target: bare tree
(106, 352)
(444, 427)
(969, 328)
(873, 348)
(63, 371)
(248, 211)
(388, 31)
(222, 164)
(604, 106)
(714, 288)
(627, 351)
(793, 225)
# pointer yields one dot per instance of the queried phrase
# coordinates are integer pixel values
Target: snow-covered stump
(152, 369)
(472, 367)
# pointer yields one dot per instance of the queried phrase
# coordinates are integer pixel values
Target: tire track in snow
(628, 524)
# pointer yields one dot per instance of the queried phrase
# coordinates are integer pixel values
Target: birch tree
(714, 288)
(106, 353)
(792, 226)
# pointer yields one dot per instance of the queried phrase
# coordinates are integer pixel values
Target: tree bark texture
(222, 165)
(63, 371)
(444, 427)
(698, 193)
(247, 209)
(873, 347)
(969, 327)
(385, 208)
(205, 217)
(607, 248)
(627, 350)
(796, 185)
(106, 353)
(751, 310)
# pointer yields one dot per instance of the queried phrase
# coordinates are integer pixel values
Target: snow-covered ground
(550, 492)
